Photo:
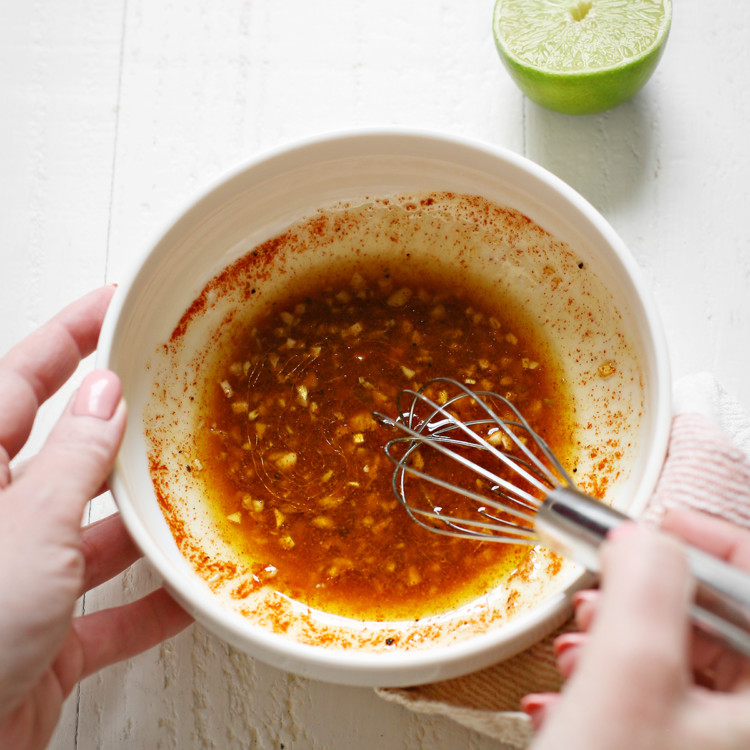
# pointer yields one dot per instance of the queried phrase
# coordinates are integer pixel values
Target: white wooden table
(113, 113)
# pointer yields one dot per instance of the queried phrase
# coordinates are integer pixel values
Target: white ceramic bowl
(260, 199)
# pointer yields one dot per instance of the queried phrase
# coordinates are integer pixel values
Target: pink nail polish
(534, 707)
(564, 642)
(98, 396)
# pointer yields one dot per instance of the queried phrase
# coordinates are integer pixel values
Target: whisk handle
(573, 524)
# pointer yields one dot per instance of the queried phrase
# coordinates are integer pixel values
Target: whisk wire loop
(423, 421)
(440, 443)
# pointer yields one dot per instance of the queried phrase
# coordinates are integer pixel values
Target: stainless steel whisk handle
(574, 525)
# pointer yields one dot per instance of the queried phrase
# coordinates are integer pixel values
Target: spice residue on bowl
(265, 458)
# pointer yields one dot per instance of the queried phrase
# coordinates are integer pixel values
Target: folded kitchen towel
(706, 469)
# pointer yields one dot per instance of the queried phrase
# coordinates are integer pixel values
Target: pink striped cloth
(707, 469)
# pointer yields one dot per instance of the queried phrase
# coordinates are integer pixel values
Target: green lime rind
(586, 82)
(583, 93)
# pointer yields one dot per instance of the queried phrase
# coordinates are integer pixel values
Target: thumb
(641, 630)
(41, 562)
(632, 670)
(78, 455)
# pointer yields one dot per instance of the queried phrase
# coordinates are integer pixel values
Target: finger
(19, 469)
(107, 550)
(36, 367)
(112, 635)
(103, 638)
(713, 666)
(716, 668)
(633, 665)
(72, 464)
(713, 535)
(567, 648)
(585, 604)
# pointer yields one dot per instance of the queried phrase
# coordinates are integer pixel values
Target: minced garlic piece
(330, 501)
(495, 438)
(400, 297)
(302, 395)
(363, 422)
(286, 460)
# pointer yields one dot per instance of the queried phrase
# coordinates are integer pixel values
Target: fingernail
(565, 642)
(98, 396)
(533, 706)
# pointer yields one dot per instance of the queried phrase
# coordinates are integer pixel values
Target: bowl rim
(395, 668)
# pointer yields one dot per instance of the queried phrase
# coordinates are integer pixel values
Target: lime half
(581, 56)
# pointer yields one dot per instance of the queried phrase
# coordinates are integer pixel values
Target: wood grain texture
(115, 113)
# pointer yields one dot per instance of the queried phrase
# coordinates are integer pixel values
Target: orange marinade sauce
(293, 461)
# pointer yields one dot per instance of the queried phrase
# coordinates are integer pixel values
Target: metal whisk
(521, 493)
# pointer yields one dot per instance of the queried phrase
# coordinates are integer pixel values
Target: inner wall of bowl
(258, 203)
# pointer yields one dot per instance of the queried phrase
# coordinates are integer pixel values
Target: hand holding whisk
(493, 478)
